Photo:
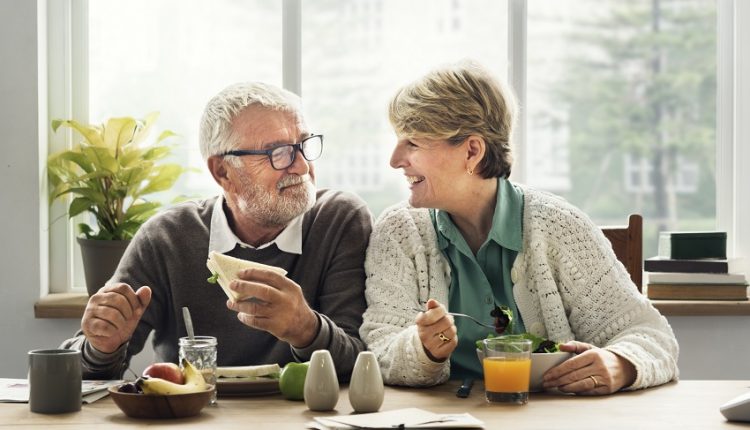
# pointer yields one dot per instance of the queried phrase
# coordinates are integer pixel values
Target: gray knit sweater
(169, 254)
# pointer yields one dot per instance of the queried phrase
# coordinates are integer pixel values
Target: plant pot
(100, 259)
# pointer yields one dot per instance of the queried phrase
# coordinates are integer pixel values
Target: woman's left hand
(593, 371)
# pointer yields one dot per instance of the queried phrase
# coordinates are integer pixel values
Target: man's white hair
(216, 135)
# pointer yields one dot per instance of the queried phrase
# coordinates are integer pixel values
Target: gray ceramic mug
(54, 381)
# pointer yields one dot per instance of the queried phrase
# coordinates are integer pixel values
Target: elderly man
(259, 150)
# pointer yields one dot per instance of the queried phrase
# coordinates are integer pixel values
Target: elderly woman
(469, 239)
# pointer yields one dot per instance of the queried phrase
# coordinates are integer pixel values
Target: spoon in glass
(188, 323)
(457, 314)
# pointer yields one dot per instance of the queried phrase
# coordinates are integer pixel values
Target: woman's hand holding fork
(437, 331)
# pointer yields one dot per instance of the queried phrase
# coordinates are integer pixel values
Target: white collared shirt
(222, 239)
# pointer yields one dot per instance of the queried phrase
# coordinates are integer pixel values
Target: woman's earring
(470, 171)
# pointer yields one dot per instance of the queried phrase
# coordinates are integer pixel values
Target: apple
(168, 371)
(292, 380)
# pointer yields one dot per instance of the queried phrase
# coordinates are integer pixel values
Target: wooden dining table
(677, 405)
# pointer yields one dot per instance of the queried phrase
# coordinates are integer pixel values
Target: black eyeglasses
(283, 156)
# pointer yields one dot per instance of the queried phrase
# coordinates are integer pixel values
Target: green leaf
(134, 176)
(132, 157)
(165, 135)
(183, 198)
(95, 175)
(157, 152)
(164, 177)
(105, 235)
(108, 173)
(85, 230)
(141, 208)
(91, 133)
(101, 158)
(93, 195)
(213, 279)
(128, 229)
(145, 128)
(118, 132)
(79, 205)
(75, 157)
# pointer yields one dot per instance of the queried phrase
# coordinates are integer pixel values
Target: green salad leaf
(503, 316)
(214, 278)
(504, 323)
(538, 344)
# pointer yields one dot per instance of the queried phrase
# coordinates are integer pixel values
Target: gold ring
(443, 337)
(596, 383)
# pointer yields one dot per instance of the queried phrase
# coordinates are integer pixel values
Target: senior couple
(467, 240)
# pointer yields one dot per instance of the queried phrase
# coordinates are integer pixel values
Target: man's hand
(274, 303)
(594, 371)
(112, 314)
(437, 332)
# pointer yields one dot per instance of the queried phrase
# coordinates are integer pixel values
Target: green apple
(292, 380)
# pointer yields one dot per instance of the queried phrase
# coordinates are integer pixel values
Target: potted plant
(109, 174)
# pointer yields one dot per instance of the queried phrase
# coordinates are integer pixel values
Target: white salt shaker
(366, 385)
(321, 383)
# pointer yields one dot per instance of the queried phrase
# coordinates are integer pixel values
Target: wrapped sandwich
(224, 270)
(269, 371)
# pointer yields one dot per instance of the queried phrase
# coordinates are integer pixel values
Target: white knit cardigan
(568, 285)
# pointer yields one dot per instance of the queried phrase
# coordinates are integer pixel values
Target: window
(354, 56)
(593, 90)
(622, 109)
(170, 56)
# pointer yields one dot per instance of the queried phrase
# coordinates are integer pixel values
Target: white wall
(20, 190)
(22, 241)
(711, 347)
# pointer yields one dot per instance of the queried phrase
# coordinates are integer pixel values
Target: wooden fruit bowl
(153, 406)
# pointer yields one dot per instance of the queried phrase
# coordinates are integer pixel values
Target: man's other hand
(112, 315)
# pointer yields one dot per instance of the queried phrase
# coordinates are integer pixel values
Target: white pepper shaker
(321, 383)
(366, 385)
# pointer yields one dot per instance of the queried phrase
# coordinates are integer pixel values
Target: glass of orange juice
(507, 369)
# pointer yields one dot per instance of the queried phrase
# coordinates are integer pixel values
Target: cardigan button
(513, 275)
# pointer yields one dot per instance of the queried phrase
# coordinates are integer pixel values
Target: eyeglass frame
(269, 152)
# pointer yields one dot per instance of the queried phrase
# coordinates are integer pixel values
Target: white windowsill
(71, 305)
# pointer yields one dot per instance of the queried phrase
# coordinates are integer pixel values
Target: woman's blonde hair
(455, 102)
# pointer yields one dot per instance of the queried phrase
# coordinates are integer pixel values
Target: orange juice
(503, 375)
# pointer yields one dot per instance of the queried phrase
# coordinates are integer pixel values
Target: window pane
(621, 104)
(355, 54)
(171, 56)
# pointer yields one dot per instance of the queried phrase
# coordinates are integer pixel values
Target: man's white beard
(277, 208)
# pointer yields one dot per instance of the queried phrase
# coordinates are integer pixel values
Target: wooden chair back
(627, 243)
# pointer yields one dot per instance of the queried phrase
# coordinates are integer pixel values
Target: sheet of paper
(14, 390)
(17, 390)
(404, 418)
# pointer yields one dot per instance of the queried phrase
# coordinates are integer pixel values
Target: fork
(458, 314)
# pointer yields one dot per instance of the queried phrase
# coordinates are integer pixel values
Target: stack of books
(696, 279)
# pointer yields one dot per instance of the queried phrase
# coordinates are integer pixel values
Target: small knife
(465, 389)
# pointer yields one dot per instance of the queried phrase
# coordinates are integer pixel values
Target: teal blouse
(480, 281)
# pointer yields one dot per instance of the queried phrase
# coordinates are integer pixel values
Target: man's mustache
(288, 181)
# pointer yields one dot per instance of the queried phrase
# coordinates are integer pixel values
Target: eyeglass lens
(283, 156)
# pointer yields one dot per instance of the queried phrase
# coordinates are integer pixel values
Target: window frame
(67, 83)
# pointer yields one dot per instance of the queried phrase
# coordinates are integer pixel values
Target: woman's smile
(413, 180)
